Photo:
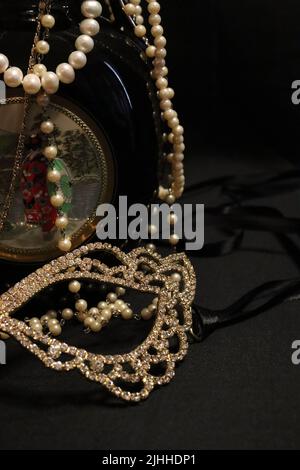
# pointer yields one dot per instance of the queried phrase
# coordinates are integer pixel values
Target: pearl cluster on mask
(94, 319)
(39, 77)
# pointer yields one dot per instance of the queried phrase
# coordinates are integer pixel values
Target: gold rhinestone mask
(173, 297)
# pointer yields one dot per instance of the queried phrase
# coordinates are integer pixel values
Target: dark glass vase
(113, 94)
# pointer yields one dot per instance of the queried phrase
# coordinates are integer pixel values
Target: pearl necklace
(39, 78)
(157, 52)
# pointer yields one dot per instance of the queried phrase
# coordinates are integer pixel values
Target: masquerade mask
(170, 279)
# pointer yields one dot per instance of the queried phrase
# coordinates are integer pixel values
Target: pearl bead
(62, 222)
(48, 21)
(4, 336)
(33, 321)
(65, 73)
(93, 311)
(74, 287)
(169, 114)
(47, 127)
(161, 83)
(146, 314)
(13, 77)
(139, 19)
(55, 330)
(159, 63)
(170, 199)
(119, 304)
(37, 327)
(50, 82)
(161, 54)
(65, 244)
(81, 316)
(172, 219)
(150, 51)
(164, 71)
(67, 314)
(57, 200)
(31, 84)
(87, 321)
(152, 229)
(129, 9)
(173, 123)
(91, 9)
(81, 305)
(152, 308)
(50, 152)
(4, 63)
(127, 313)
(154, 19)
(102, 305)
(39, 69)
(155, 301)
(52, 313)
(53, 321)
(77, 59)
(153, 7)
(160, 41)
(42, 47)
(167, 93)
(111, 297)
(165, 105)
(45, 319)
(95, 326)
(84, 43)
(120, 291)
(90, 27)
(151, 247)
(54, 176)
(176, 277)
(178, 130)
(178, 166)
(174, 239)
(106, 314)
(157, 30)
(140, 31)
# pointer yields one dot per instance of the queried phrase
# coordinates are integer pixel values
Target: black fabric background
(232, 64)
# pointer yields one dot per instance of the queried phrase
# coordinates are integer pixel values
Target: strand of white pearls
(105, 310)
(50, 151)
(40, 78)
(65, 73)
(157, 52)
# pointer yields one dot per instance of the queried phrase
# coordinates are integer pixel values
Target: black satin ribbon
(233, 219)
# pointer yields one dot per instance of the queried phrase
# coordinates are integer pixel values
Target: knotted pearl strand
(158, 52)
(49, 82)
